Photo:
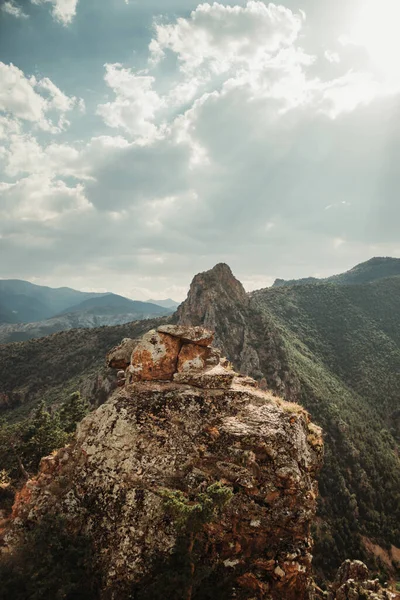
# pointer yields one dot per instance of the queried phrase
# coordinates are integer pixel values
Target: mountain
(112, 304)
(28, 302)
(86, 310)
(219, 474)
(366, 272)
(333, 348)
(336, 350)
(51, 368)
(76, 320)
(168, 303)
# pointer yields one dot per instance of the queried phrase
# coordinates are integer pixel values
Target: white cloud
(25, 155)
(38, 198)
(58, 100)
(13, 9)
(217, 36)
(338, 242)
(63, 11)
(332, 57)
(18, 97)
(347, 92)
(232, 143)
(8, 126)
(22, 98)
(136, 104)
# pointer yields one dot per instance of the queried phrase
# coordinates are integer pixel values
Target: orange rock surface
(155, 357)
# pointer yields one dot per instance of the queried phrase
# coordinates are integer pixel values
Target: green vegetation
(23, 444)
(50, 368)
(51, 562)
(190, 515)
(340, 347)
(366, 272)
(333, 348)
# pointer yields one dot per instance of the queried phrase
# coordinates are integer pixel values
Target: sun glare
(377, 28)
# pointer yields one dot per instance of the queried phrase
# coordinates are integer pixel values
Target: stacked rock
(172, 353)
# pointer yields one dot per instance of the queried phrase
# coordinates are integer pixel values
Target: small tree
(73, 411)
(44, 434)
(11, 450)
(190, 516)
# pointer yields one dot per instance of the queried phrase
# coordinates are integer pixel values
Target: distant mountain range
(371, 270)
(168, 303)
(32, 311)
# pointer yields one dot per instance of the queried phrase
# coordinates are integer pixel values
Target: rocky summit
(352, 583)
(191, 482)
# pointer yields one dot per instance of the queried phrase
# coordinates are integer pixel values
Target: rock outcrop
(191, 481)
(218, 301)
(352, 583)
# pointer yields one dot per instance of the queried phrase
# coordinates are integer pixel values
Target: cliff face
(217, 300)
(191, 481)
(216, 297)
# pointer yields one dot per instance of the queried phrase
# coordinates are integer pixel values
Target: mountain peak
(217, 282)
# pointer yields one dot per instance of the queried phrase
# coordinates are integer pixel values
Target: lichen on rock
(185, 434)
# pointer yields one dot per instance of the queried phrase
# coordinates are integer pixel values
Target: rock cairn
(172, 353)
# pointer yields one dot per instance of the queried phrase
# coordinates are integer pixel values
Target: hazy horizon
(143, 298)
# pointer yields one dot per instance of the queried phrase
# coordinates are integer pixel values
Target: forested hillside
(366, 272)
(343, 344)
(53, 367)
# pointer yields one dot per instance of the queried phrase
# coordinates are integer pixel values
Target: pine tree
(73, 411)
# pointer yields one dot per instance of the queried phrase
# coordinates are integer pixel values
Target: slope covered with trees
(366, 272)
(343, 345)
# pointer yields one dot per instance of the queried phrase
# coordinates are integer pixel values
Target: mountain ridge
(78, 310)
(378, 267)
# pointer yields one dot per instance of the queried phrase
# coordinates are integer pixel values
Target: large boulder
(155, 357)
(120, 356)
(194, 335)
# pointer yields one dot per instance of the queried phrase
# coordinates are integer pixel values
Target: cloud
(63, 11)
(31, 100)
(228, 145)
(13, 9)
(136, 104)
(40, 199)
(24, 155)
(216, 36)
(332, 57)
(8, 126)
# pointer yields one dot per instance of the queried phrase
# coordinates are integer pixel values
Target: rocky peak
(246, 335)
(218, 301)
(352, 583)
(192, 482)
(217, 283)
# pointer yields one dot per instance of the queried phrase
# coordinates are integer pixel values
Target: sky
(144, 141)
